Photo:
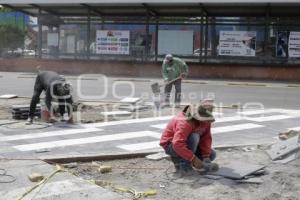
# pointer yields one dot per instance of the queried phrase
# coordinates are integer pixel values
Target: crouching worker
(55, 87)
(187, 138)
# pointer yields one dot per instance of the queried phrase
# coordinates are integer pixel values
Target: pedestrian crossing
(143, 134)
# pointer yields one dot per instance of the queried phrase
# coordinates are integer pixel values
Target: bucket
(45, 114)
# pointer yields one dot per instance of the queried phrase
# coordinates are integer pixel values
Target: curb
(93, 157)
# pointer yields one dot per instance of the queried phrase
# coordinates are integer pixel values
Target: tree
(11, 37)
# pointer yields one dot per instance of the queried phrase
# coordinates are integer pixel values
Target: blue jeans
(192, 143)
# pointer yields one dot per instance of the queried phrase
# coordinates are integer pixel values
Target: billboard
(294, 45)
(237, 43)
(112, 42)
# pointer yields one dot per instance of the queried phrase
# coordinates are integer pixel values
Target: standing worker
(173, 68)
(188, 140)
(55, 87)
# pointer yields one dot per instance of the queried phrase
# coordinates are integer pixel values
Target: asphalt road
(97, 87)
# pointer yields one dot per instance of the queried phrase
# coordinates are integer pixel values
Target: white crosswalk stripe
(231, 128)
(88, 140)
(49, 134)
(140, 146)
(141, 140)
(269, 118)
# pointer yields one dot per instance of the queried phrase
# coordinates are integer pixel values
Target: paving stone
(130, 100)
(287, 159)
(116, 113)
(237, 170)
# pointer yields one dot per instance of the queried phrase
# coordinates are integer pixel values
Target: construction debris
(288, 134)
(248, 149)
(35, 177)
(22, 111)
(105, 169)
(283, 148)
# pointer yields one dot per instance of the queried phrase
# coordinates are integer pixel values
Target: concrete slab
(8, 96)
(287, 159)
(116, 113)
(282, 148)
(130, 100)
(251, 181)
(237, 170)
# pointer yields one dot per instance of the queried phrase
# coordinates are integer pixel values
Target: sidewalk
(62, 186)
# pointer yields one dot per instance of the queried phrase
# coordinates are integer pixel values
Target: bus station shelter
(217, 34)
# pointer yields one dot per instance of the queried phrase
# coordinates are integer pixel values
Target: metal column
(40, 36)
(147, 38)
(88, 38)
(201, 37)
(206, 39)
(156, 38)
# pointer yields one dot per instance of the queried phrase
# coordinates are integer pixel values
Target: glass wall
(212, 40)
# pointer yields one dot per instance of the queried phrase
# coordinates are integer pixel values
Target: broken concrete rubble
(288, 134)
(283, 148)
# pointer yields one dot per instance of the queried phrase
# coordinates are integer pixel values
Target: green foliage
(4, 9)
(11, 37)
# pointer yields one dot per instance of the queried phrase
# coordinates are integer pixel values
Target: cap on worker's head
(202, 111)
(169, 57)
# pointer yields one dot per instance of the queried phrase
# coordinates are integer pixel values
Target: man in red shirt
(187, 138)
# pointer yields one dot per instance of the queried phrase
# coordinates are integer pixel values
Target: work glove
(210, 167)
(207, 160)
(197, 163)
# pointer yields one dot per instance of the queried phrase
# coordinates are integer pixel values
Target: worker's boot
(176, 163)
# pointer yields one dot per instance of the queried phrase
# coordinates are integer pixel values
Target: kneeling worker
(187, 138)
(55, 87)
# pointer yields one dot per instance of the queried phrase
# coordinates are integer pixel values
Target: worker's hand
(210, 167)
(207, 160)
(197, 163)
(183, 75)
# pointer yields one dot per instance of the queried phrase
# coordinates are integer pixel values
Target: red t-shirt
(177, 132)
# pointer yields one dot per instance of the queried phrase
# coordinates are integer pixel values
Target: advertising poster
(294, 44)
(237, 43)
(112, 42)
(282, 44)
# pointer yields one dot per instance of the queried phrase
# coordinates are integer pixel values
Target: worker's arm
(185, 68)
(206, 142)
(164, 71)
(179, 143)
